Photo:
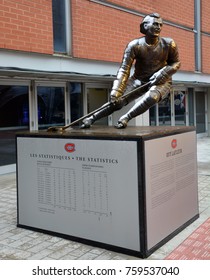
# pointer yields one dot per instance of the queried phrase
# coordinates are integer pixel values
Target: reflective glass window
(164, 110)
(14, 116)
(76, 101)
(59, 26)
(51, 108)
(180, 107)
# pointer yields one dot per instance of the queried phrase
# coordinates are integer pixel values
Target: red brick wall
(205, 16)
(178, 11)
(102, 33)
(205, 41)
(185, 42)
(99, 32)
(26, 25)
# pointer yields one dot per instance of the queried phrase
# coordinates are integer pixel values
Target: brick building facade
(58, 59)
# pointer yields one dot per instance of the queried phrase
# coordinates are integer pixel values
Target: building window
(51, 108)
(59, 26)
(76, 101)
(180, 107)
(14, 116)
(164, 110)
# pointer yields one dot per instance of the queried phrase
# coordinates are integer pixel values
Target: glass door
(164, 111)
(200, 97)
(14, 116)
(172, 110)
(50, 105)
(96, 96)
(180, 107)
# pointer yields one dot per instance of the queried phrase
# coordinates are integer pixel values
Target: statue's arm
(173, 64)
(119, 85)
(173, 59)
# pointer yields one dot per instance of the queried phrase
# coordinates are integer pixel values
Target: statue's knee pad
(154, 94)
(159, 92)
(119, 104)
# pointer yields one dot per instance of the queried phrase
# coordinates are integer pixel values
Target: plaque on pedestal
(125, 190)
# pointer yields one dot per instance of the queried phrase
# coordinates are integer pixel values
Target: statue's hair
(145, 20)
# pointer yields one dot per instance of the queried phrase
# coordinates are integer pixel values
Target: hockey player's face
(153, 26)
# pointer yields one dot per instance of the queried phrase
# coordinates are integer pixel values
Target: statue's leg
(150, 98)
(106, 110)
